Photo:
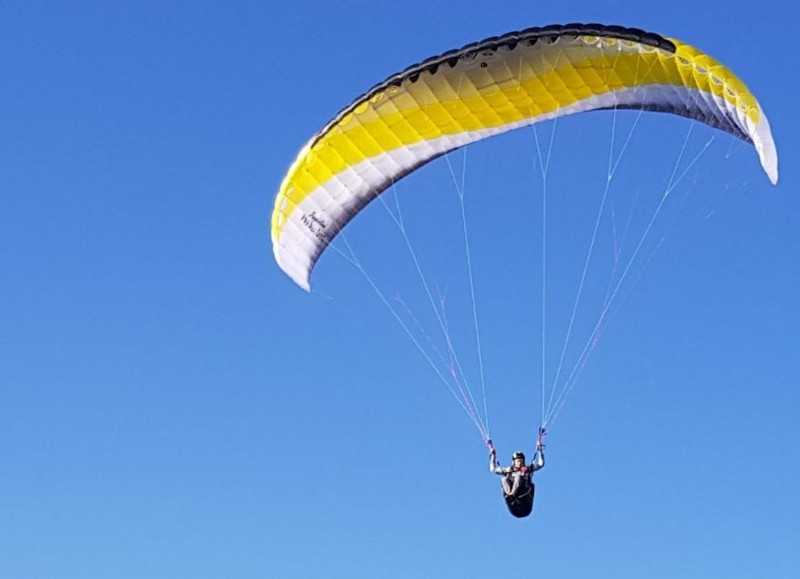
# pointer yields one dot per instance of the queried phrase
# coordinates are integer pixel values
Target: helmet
(517, 455)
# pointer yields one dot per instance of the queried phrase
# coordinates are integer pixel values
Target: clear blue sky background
(171, 405)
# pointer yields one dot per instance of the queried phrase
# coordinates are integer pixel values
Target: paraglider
(517, 482)
(484, 89)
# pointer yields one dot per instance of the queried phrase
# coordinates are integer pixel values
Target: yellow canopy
(487, 88)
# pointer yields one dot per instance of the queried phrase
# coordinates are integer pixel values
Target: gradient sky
(171, 405)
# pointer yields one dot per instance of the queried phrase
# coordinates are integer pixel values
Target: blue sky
(171, 405)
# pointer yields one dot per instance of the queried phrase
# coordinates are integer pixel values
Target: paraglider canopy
(487, 88)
